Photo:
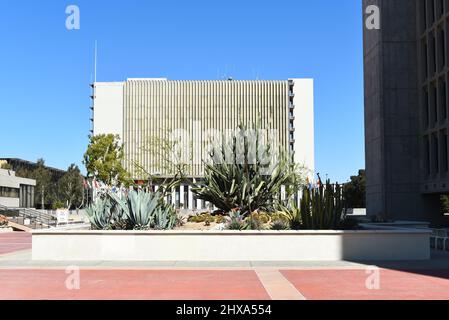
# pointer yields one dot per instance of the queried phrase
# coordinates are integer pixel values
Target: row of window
(436, 149)
(435, 93)
(6, 192)
(291, 115)
(431, 11)
(433, 53)
(435, 103)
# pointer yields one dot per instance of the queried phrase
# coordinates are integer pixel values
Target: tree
(24, 173)
(354, 191)
(70, 187)
(43, 184)
(444, 204)
(5, 166)
(172, 162)
(103, 160)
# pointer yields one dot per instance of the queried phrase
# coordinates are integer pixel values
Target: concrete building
(20, 164)
(406, 110)
(140, 108)
(16, 192)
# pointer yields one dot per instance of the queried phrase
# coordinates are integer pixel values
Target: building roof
(30, 163)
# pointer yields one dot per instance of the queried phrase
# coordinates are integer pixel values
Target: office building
(137, 109)
(406, 110)
(16, 192)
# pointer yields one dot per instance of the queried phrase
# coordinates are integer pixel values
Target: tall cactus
(322, 208)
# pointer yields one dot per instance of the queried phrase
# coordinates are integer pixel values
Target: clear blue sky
(46, 69)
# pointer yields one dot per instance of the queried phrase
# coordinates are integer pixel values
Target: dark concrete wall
(392, 116)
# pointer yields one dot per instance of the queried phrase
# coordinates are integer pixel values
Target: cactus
(322, 208)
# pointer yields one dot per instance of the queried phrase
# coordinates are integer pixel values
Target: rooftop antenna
(95, 65)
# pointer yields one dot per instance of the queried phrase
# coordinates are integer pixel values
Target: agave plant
(99, 213)
(236, 221)
(165, 218)
(245, 173)
(138, 208)
(280, 225)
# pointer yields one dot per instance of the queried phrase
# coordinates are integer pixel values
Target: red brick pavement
(351, 284)
(133, 284)
(14, 241)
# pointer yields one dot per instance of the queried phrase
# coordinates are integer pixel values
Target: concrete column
(167, 197)
(192, 206)
(173, 196)
(182, 196)
(32, 197)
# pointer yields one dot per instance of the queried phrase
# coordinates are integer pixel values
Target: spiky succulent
(244, 172)
(138, 210)
(99, 213)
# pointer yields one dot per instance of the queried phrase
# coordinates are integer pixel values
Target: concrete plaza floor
(23, 278)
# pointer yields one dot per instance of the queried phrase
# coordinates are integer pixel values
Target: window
(6, 192)
(430, 13)
(423, 11)
(432, 54)
(435, 154)
(440, 6)
(442, 100)
(441, 50)
(433, 99)
(444, 158)
(427, 155)
(425, 66)
(426, 108)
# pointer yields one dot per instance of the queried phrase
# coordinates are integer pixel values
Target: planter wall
(398, 244)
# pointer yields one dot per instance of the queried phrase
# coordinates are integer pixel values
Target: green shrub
(280, 225)
(220, 219)
(264, 217)
(257, 221)
(293, 215)
(236, 221)
(58, 205)
(280, 216)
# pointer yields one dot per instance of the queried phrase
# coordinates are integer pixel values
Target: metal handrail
(37, 218)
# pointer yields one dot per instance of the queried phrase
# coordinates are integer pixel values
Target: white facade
(13, 189)
(109, 111)
(304, 123)
(108, 108)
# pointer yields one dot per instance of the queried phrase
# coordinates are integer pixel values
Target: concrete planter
(391, 244)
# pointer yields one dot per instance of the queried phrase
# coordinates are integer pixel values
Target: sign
(62, 216)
